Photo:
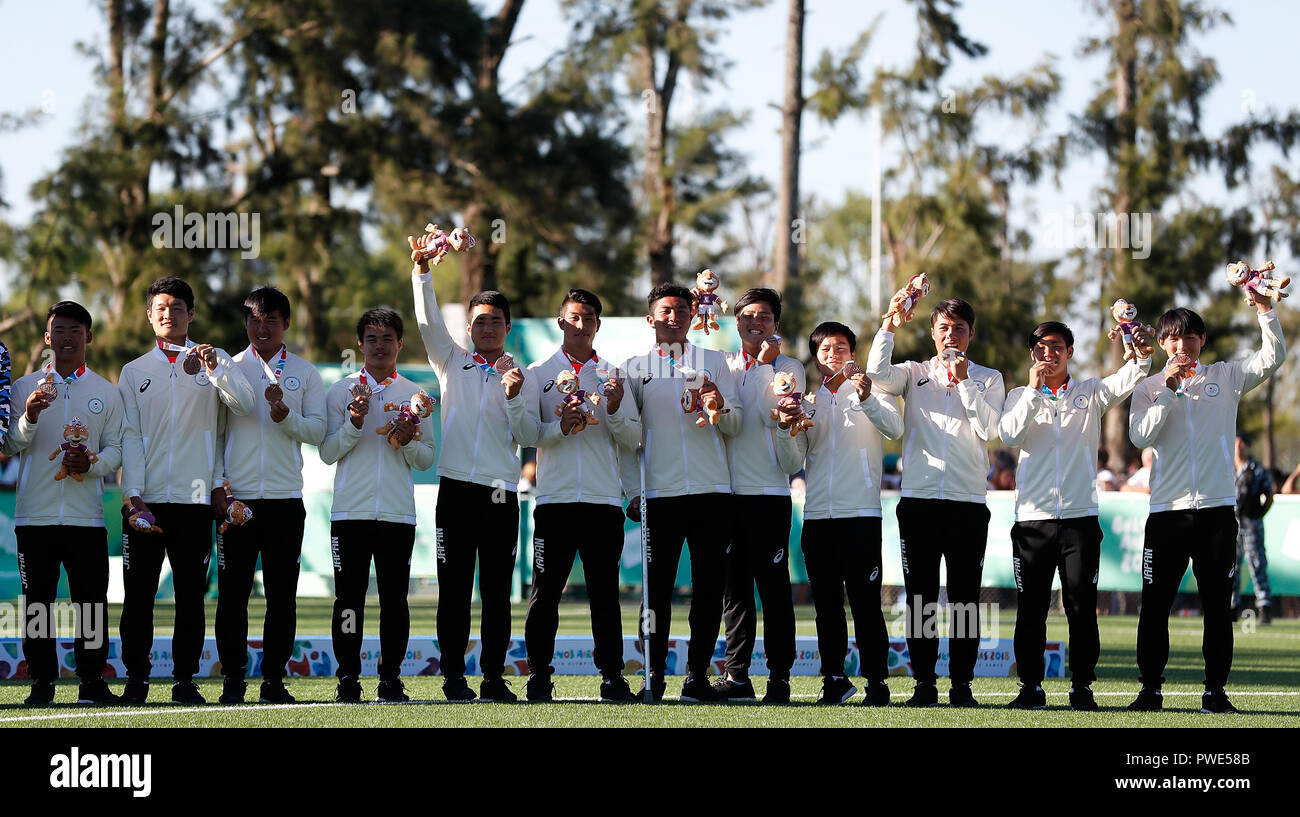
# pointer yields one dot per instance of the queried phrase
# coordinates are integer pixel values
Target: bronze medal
(48, 389)
(274, 393)
(504, 364)
(191, 364)
(361, 391)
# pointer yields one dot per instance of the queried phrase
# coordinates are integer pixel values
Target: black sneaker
(875, 694)
(348, 691)
(1030, 697)
(836, 690)
(1215, 702)
(42, 694)
(96, 691)
(273, 691)
(392, 691)
(615, 688)
(136, 692)
(1081, 700)
(1148, 700)
(728, 689)
(925, 694)
(539, 688)
(778, 691)
(696, 690)
(658, 686)
(185, 691)
(454, 688)
(497, 690)
(960, 697)
(233, 691)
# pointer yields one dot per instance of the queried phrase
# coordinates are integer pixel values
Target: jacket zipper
(1191, 449)
(1056, 417)
(830, 502)
(943, 447)
(171, 447)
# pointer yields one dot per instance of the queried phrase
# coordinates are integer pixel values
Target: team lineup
(698, 445)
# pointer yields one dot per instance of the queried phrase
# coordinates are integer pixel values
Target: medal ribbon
(273, 376)
(378, 387)
(70, 379)
(1054, 394)
(174, 349)
(483, 364)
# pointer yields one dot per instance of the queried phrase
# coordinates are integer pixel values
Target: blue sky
(39, 60)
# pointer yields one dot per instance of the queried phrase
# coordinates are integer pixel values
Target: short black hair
(581, 296)
(69, 309)
(1179, 321)
(667, 290)
(173, 286)
(759, 295)
(1244, 437)
(380, 316)
(266, 300)
(954, 308)
(826, 329)
(491, 297)
(1046, 328)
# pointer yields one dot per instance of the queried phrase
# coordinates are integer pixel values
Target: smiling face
(170, 317)
(579, 324)
(380, 346)
(755, 323)
(670, 317)
(69, 339)
(266, 332)
(488, 328)
(1052, 349)
(1189, 345)
(1123, 311)
(833, 353)
(950, 333)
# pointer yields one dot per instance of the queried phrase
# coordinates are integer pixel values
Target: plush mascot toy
(707, 301)
(1126, 323)
(1258, 280)
(75, 435)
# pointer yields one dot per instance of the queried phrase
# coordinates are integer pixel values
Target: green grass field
(1265, 685)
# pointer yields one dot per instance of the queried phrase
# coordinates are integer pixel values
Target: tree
(689, 178)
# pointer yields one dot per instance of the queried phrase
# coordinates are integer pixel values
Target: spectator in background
(8, 473)
(1002, 474)
(892, 478)
(1254, 498)
(1292, 483)
(1106, 480)
(1278, 478)
(1140, 482)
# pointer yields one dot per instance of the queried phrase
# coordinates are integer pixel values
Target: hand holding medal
(360, 405)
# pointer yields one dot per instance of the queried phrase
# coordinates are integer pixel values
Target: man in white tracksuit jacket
(762, 458)
(841, 539)
(373, 515)
(578, 510)
(169, 475)
(1056, 423)
(688, 483)
(951, 409)
(261, 453)
(60, 521)
(1188, 413)
(478, 477)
